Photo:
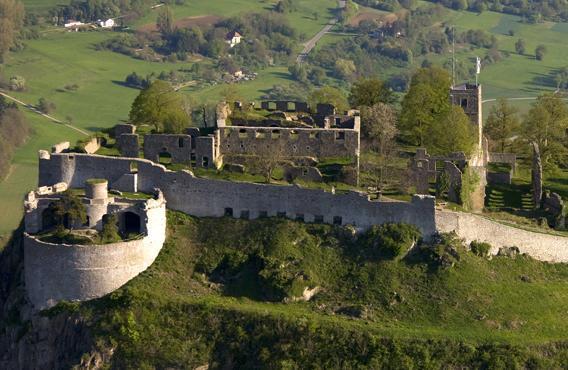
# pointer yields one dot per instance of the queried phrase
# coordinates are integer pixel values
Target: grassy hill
(217, 297)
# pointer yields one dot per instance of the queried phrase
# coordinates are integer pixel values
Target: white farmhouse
(233, 38)
(109, 23)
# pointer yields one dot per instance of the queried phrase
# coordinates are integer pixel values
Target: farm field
(515, 75)
(303, 18)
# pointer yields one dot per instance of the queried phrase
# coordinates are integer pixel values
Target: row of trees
(14, 130)
(11, 22)
(545, 124)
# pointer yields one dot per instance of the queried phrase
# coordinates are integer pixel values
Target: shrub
(443, 253)
(45, 106)
(109, 233)
(479, 248)
(388, 240)
(17, 83)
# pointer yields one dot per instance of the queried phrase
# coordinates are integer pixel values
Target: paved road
(53, 119)
(308, 46)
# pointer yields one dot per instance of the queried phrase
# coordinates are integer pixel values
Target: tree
(159, 105)
(70, 208)
(268, 161)
(329, 95)
(378, 125)
(45, 106)
(109, 233)
(370, 91)
(11, 21)
(546, 124)
(344, 69)
(520, 46)
(165, 22)
(502, 123)
(17, 83)
(426, 101)
(379, 128)
(452, 132)
(539, 52)
(298, 72)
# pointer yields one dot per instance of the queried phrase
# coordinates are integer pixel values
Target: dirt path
(310, 44)
(51, 118)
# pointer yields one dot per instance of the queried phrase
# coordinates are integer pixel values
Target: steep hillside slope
(224, 292)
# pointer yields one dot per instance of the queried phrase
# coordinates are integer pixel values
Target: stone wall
(178, 146)
(128, 145)
(319, 143)
(544, 247)
(214, 198)
(55, 272)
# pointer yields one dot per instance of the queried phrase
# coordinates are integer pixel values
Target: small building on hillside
(233, 38)
(109, 23)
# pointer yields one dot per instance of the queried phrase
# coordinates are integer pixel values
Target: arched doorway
(164, 157)
(131, 223)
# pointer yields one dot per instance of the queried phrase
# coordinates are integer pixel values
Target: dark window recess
(299, 217)
(245, 215)
(464, 103)
(205, 162)
(281, 214)
(318, 219)
(337, 220)
(262, 214)
(180, 142)
(229, 212)
(340, 135)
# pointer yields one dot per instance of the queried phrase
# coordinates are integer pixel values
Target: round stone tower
(96, 189)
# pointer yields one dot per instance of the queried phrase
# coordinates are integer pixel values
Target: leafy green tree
(11, 21)
(502, 123)
(539, 52)
(109, 233)
(298, 72)
(370, 91)
(165, 22)
(452, 132)
(71, 207)
(546, 124)
(159, 105)
(426, 101)
(344, 69)
(329, 95)
(520, 46)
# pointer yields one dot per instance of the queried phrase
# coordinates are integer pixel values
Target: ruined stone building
(287, 130)
(55, 272)
(447, 170)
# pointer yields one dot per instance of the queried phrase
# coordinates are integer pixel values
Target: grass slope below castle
(215, 296)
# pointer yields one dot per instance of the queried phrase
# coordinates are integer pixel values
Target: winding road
(310, 44)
